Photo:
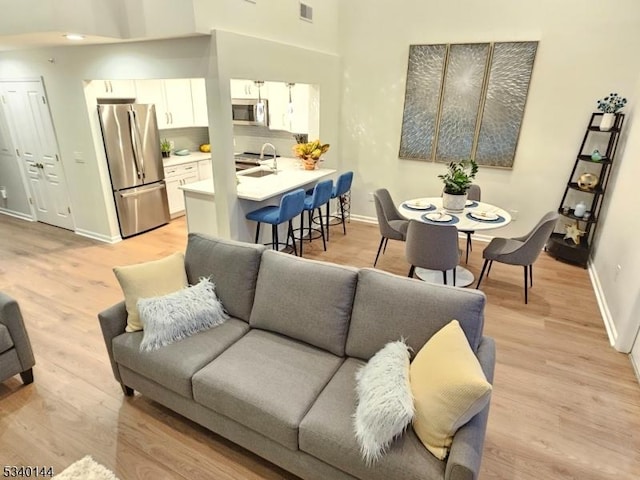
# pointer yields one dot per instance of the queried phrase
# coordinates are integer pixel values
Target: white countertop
(174, 160)
(290, 176)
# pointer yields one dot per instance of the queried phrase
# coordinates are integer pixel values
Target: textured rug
(86, 469)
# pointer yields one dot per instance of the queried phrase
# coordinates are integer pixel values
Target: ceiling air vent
(306, 12)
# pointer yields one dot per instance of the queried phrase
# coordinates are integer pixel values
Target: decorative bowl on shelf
(588, 181)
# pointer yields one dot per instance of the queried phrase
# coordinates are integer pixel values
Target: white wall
(275, 20)
(118, 19)
(583, 53)
(617, 242)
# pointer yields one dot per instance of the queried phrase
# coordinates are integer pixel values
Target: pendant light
(290, 105)
(260, 104)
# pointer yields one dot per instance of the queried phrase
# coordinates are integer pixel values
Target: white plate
(468, 203)
(418, 204)
(484, 215)
(438, 217)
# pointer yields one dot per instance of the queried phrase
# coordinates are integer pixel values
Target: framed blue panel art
(466, 101)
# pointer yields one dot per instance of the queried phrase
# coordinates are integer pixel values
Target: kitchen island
(257, 187)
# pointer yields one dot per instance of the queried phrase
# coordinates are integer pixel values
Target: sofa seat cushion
(173, 366)
(267, 382)
(327, 433)
(5, 339)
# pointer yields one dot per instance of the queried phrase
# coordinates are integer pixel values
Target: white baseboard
(98, 236)
(602, 304)
(364, 219)
(20, 215)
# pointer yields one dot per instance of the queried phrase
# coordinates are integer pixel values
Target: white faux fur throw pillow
(178, 315)
(385, 403)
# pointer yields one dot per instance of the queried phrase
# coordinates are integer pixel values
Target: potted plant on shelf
(457, 181)
(609, 106)
(165, 148)
(310, 153)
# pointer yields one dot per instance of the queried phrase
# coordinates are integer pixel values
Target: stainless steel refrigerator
(132, 145)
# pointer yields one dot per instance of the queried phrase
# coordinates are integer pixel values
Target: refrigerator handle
(139, 192)
(134, 141)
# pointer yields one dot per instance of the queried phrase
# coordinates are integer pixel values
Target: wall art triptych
(466, 101)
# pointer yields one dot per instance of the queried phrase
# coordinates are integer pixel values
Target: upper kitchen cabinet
(172, 98)
(289, 107)
(245, 89)
(199, 98)
(113, 88)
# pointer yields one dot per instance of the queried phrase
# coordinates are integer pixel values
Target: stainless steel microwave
(250, 111)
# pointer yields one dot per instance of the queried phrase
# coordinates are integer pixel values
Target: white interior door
(38, 152)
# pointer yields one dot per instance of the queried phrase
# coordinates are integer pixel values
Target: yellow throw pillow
(150, 279)
(448, 386)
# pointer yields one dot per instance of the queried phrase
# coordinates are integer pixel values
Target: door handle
(171, 117)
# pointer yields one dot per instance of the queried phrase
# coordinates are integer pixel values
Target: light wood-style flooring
(565, 404)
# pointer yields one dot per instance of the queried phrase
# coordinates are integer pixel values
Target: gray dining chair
(520, 250)
(474, 193)
(392, 224)
(434, 247)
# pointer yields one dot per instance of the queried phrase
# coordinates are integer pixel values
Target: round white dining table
(475, 216)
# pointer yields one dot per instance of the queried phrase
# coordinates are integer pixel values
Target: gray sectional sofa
(278, 378)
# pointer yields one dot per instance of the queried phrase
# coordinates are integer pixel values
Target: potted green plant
(457, 181)
(609, 106)
(165, 148)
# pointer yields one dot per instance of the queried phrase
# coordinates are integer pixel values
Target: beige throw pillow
(448, 386)
(150, 279)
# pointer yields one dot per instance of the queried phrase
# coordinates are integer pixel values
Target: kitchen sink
(257, 173)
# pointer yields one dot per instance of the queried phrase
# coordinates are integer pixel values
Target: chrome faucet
(275, 159)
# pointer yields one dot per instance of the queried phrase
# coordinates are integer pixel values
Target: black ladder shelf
(606, 142)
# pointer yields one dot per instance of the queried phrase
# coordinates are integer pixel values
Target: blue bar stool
(291, 205)
(343, 185)
(320, 196)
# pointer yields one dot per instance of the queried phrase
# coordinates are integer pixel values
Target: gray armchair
(392, 224)
(520, 250)
(16, 355)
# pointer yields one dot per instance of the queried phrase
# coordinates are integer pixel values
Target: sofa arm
(113, 321)
(11, 318)
(466, 450)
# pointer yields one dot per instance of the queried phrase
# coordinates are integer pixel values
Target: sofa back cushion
(304, 299)
(231, 266)
(387, 308)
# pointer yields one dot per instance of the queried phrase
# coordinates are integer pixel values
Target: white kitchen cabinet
(279, 116)
(246, 89)
(199, 100)
(204, 169)
(172, 98)
(301, 98)
(175, 177)
(278, 102)
(114, 88)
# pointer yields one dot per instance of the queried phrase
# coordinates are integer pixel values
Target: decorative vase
(596, 156)
(454, 203)
(309, 163)
(607, 121)
(579, 209)
(166, 154)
